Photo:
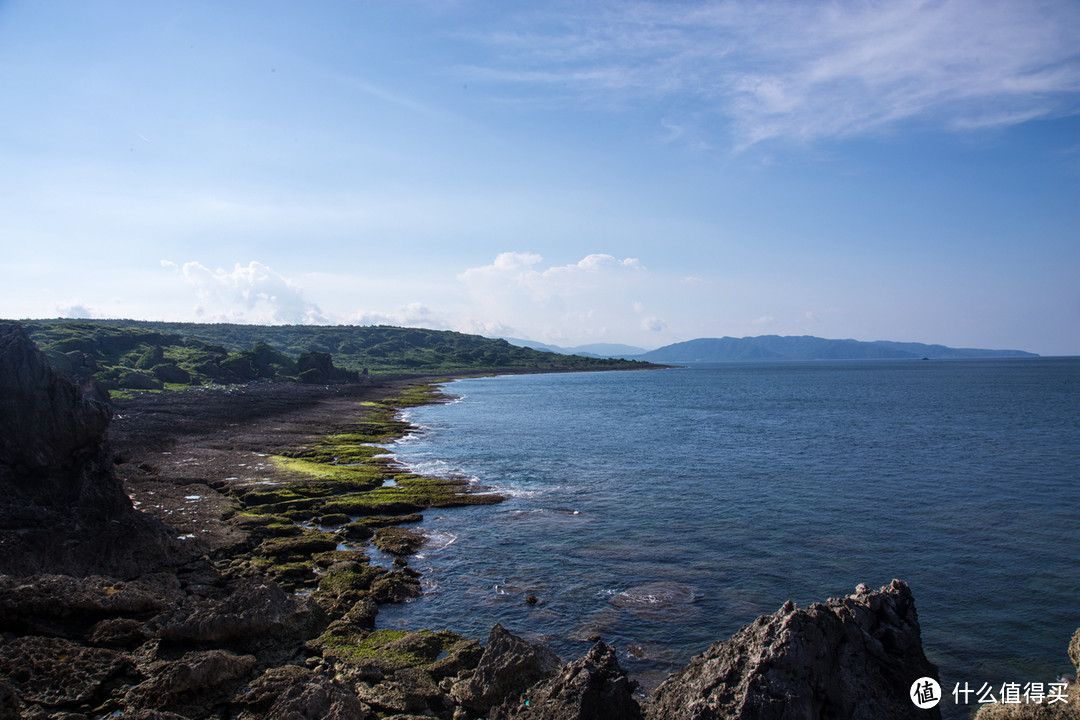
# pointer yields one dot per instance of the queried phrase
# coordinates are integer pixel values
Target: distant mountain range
(600, 350)
(779, 348)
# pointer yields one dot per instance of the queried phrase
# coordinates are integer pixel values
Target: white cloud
(411, 315)
(584, 300)
(251, 293)
(653, 324)
(76, 310)
(805, 71)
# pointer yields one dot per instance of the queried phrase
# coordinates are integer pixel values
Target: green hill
(133, 354)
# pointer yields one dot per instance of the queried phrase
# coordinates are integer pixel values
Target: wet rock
(593, 687)
(508, 667)
(395, 586)
(854, 657)
(357, 531)
(295, 693)
(398, 540)
(54, 672)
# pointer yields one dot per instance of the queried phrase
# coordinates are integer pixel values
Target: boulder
(508, 667)
(593, 687)
(854, 657)
(398, 540)
(192, 684)
(296, 693)
(253, 616)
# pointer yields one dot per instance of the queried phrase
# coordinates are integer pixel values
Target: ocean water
(663, 510)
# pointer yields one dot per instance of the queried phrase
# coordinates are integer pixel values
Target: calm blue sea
(665, 509)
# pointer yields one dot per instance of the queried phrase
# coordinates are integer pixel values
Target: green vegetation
(356, 491)
(143, 355)
(391, 650)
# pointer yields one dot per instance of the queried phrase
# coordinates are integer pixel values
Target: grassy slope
(140, 354)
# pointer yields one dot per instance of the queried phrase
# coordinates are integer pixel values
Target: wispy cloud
(251, 293)
(805, 71)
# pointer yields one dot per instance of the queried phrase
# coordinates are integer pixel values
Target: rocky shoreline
(234, 582)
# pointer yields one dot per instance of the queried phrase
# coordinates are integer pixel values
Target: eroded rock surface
(854, 657)
(593, 687)
(508, 667)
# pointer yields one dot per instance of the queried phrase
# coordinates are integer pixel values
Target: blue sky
(634, 172)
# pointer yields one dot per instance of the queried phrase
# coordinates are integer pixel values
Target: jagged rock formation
(593, 687)
(62, 509)
(508, 667)
(854, 658)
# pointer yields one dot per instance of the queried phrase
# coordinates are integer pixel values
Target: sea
(662, 510)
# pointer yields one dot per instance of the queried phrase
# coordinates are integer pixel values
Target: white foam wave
(437, 540)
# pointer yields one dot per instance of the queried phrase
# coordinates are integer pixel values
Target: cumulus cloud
(653, 324)
(76, 310)
(803, 71)
(251, 293)
(411, 315)
(520, 296)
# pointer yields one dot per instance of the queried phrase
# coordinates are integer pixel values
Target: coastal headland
(223, 552)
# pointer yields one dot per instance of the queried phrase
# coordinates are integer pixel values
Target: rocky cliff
(854, 657)
(64, 509)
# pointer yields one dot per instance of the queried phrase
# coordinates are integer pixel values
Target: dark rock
(410, 691)
(11, 708)
(295, 693)
(855, 657)
(398, 540)
(62, 508)
(75, 607)
(357, 531)
(193, 684)
(171, 373)
(591, 688)
(394, 587)
(52, 432)
(118, 632)
(253, 616)
(54, 672)
(508, 667)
